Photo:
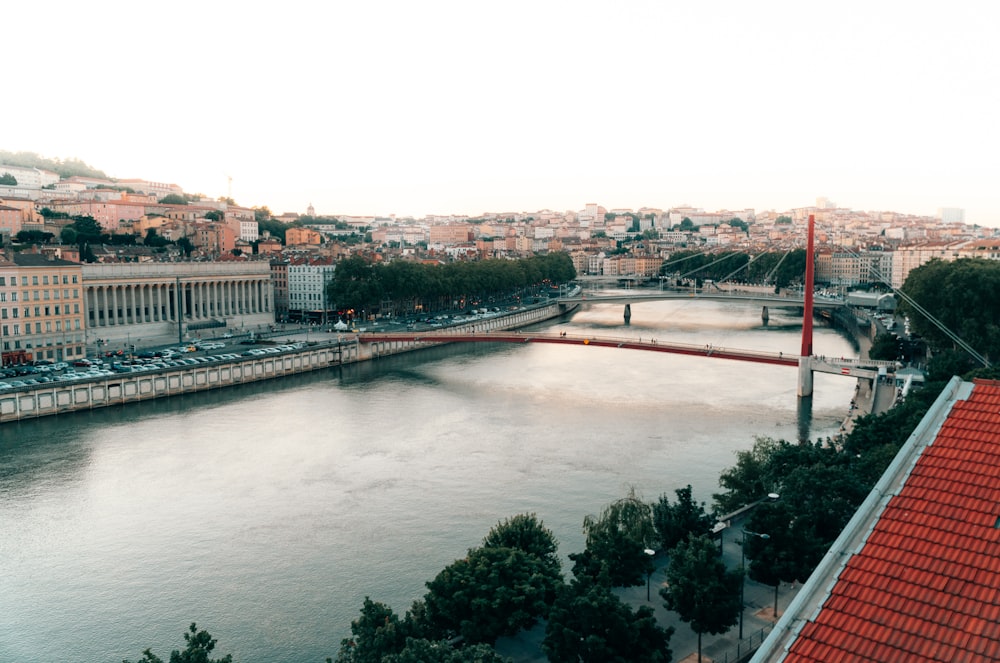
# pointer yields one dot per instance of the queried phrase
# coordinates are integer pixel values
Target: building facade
(307, 285)
(41, 310)
(126, 301)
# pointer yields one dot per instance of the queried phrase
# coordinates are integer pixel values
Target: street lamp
(743, 558)
(649, 571)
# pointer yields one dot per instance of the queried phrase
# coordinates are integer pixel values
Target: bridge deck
(838, 366)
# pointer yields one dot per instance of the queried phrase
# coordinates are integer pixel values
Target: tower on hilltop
(310, 211)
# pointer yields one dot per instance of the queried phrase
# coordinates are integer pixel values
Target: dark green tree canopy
(200, 645)
(616, 543)
(375, 635)
(525, 532)
(674, 522)
(494, 591)
(8, 179)
(173, 199)
(588, 623)
(962, 295)
(700, 588)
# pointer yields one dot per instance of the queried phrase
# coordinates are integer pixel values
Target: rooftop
(915, 576)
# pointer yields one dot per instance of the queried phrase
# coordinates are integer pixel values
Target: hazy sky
(414, 107)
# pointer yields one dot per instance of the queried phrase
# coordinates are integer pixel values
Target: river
(266, 513)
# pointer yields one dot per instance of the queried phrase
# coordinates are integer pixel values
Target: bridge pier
(805, 376)
(628, 313)
(765, 316)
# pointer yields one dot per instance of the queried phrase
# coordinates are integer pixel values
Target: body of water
(267, 513)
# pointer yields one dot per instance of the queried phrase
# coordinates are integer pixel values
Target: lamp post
(743, 558)
(649, 571)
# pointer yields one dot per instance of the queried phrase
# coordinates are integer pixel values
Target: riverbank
(85, 391)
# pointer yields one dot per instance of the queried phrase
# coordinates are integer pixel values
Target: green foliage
(185, 245)
(749, 480)
(962, 296)
(153, 239)
(212, 215)
(783, 219)
(616, 543)
(33, 237)
(63, 167)
(8, 179)
(490, 593)
(376, 634)
(362, 286)
(436, 651)
(674, 522)
(68, 235)
(687, 224)
(87, 228)
(884, 347)
(526, 533)
(173, 199)
(261, 214)
(700, 588)
(199, 645)
(590, 624)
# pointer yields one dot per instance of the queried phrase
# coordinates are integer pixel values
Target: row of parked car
(89, 369)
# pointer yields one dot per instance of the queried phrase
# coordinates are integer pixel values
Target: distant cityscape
(217, 264)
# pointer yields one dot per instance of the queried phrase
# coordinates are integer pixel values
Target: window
(34, 280)
(13, 296)
(24, 280)
(45, 279)
(74, 278)
(3, 280)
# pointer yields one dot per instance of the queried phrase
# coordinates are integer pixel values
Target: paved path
(757, 617)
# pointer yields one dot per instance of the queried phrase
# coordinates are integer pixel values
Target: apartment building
(307, 284)
(41, 309)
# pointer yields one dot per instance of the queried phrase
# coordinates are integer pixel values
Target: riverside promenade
(758, 615)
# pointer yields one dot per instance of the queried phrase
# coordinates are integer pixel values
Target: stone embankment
(53, 398)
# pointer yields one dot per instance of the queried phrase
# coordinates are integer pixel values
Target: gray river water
(267, 513)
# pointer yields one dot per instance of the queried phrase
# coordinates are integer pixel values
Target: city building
(307, 290)
(128, 301)
(41, 309)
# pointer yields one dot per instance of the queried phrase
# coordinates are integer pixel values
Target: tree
(153, 239)
(700, 588)
(617, 540)
(185, 245)
(212, 215)
(199, 645)
(526, 533)
(261, 214)
(173, 199)
(376, 634)
(674, 522)
(884, 347)
(8, 179)
(687, 224)
(33, 237)
(590, 624)
(961, 295)
(431, 651)
(68, 235)
(493, 591)
(749, 480)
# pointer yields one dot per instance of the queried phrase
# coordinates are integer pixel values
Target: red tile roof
(925, 586)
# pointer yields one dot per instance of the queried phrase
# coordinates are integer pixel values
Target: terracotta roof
(925, 586)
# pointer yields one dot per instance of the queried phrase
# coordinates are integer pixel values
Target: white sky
(416, 107)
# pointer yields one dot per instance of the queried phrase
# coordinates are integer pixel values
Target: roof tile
(926, 584)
